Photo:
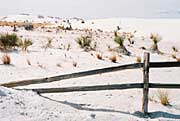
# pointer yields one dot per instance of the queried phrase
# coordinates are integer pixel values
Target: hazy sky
(93, 8)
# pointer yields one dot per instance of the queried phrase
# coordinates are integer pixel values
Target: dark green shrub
(7, 41)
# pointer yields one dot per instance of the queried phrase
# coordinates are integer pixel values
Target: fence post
(146, 82)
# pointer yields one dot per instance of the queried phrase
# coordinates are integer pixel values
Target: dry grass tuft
(113, 58)
(99, 56)
(173, 56)
(174, 49)
(163, 97)
(75, 64)
(28, 62)
(6, 59)
(138, 59)
(178, 59)
(58, 65)
(25, 44)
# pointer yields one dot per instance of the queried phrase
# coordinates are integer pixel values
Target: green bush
(84, 41)
(119, 39)
(25, 44)
(7, 41)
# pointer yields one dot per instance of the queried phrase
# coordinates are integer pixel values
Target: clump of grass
(113, 58)
(75, 64)
(6, 59)
(8, 41)
(173, 56)
(178, 59)
(25, 44)
(163, 97)
(58, 65)
(84, 42)
(99, 56)
(48, 43)
(119, 39)
(28, 62)
(138, 59)
(156, 38)
(174, 49)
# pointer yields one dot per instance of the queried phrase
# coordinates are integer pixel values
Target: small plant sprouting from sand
(174, 49)
(48, 43)
(8, 41)
(138, 59)
(156, 38)
(59, 65)
(68, 46)
(25, 44)
(6, 59)
(173, 56)
(113, 59)
(84, 42)
(119, 39)
(163, 97)
(178, 59)
(74, 64)
(28, 62)
(99, 56)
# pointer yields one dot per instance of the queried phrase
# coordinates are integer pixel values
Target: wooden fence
(146, 65)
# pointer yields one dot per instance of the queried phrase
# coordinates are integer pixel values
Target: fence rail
(146, 65)
(102, 87)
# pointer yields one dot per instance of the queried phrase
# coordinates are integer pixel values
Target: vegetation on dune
(85, 42)
(156, 38)
(24, 44)
(8, 41)
(6, 59)
(119, 39)
(163, 97)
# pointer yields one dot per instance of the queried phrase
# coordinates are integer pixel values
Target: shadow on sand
(152, 115)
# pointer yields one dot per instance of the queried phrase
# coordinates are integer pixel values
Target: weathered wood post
(146, 82)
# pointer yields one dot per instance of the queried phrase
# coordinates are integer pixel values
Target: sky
(94, 8)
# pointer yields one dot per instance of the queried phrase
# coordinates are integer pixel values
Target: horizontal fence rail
(164, 64)
(102, 87)
(87, 88)
(90, 72)
(72, 75)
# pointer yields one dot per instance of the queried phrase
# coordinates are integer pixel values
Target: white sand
(86, 106)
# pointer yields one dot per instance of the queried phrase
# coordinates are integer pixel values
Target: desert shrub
(28, 62)
(178, 59)
(99, 56)
(138, 59)
(84, 42)
(173, 56)
(8, 41)
(119, 39)
(48, 43)
(174, 49)
(156, 38)
(113, 59)
(6, 59)
(163, 97)
(25, 44)
(28, 26)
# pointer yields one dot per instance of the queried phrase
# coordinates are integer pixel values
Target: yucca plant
(84, 42)
(156, 38)
(25, 44)
(7, 41)
(119, 39)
